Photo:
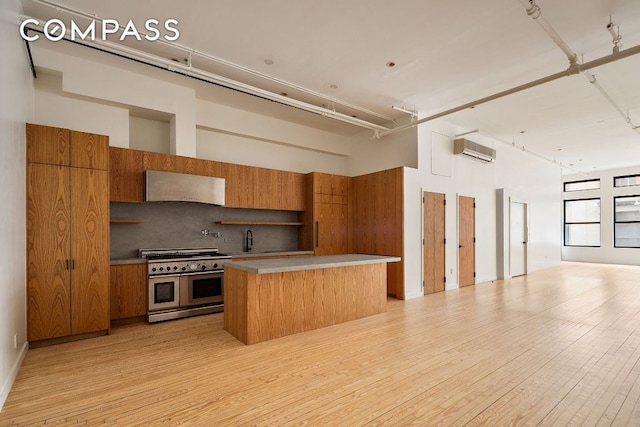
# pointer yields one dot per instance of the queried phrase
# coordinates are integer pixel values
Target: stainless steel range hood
(179, 187)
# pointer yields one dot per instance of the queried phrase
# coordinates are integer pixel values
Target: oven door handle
(202, 273)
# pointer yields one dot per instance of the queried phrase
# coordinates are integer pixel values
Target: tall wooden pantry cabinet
(67, 233)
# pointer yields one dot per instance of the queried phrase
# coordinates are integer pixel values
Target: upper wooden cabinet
(324, 183)
(57, 146)
(245, 187)
(126, 169)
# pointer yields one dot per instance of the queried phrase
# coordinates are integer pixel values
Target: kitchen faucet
(249, 241)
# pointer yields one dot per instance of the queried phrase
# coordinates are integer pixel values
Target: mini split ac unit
(473, 150)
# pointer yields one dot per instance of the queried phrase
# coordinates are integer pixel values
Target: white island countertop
(280, 265)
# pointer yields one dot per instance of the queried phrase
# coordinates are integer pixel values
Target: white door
(518, 240)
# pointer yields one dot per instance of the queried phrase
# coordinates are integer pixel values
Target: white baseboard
(8, 383)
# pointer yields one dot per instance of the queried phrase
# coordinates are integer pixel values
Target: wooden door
(48, 249)
(48, 145)
(518, 239)
(434, 242)
(89, 250)
(467, 241)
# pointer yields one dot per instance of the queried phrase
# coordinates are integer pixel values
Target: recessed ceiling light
(559, 149)
(354, 116)
(522, 131)
(284, 94)
(391, 64)
(269, 61)
(334, 86)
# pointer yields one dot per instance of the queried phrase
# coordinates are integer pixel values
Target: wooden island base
(260, 307)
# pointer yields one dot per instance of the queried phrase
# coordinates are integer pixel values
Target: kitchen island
(266, 299)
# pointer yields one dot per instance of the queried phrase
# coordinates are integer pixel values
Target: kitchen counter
(126, 261)
(272, 298)
(281, 265)
(244, 255)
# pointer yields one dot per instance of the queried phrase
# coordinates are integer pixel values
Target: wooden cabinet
(246, 186)
(67, 233)
(326, 229)
(57, 146)
(128, 291)
(126, 182)
(377, 212)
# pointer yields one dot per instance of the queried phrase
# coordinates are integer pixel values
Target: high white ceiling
(447, 54)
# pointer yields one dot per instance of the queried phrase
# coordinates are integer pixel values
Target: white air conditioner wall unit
(474, 150)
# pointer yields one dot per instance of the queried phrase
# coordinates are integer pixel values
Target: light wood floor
(558, 347)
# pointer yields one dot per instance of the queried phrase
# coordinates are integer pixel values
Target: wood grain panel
(292, 190)
(466, 246)
(48, 145)
(265, 191)
(185, 165)
(208, 168)
(48, 248)
(128, 290)
(126, 175)
(434, 243)
(377, 201)
(89, 150)
(260, 307)
(159, 162)
(90, 251)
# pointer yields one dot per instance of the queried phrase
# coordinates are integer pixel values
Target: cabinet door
(90, 250)
(48, 145)
(89, 150)
(128, 291)
(330, 229)
(48, 246)
(126, 178)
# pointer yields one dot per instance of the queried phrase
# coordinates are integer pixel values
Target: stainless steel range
(184, 282)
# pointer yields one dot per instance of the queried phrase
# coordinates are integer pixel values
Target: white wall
(16, 105)
(149, 135)
(523, 177)
(55, 108)
(606, 253)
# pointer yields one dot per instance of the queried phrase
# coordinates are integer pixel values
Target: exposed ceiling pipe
(534, 11)
(568, 72)
(186, 70)
(573, 69)
(594, 82)
(193, 52)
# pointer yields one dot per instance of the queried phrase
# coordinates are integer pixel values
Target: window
(582, 222)
(627, 222)
(591, 184)
(626, 181)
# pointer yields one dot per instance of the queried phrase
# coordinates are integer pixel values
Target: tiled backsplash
(180, 225)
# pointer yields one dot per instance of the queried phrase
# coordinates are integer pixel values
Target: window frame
(565, 223)
(635, 175)
(616, 222)
(564, 185)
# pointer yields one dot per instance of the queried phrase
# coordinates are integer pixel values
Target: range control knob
(161, 269)
(204, 267)
(153, 269)
(184, 268)
(215, 265)
(175, 267)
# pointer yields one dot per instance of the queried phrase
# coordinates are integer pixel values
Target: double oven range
(184, 282)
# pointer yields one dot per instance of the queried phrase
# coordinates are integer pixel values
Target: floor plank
(557, 347)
